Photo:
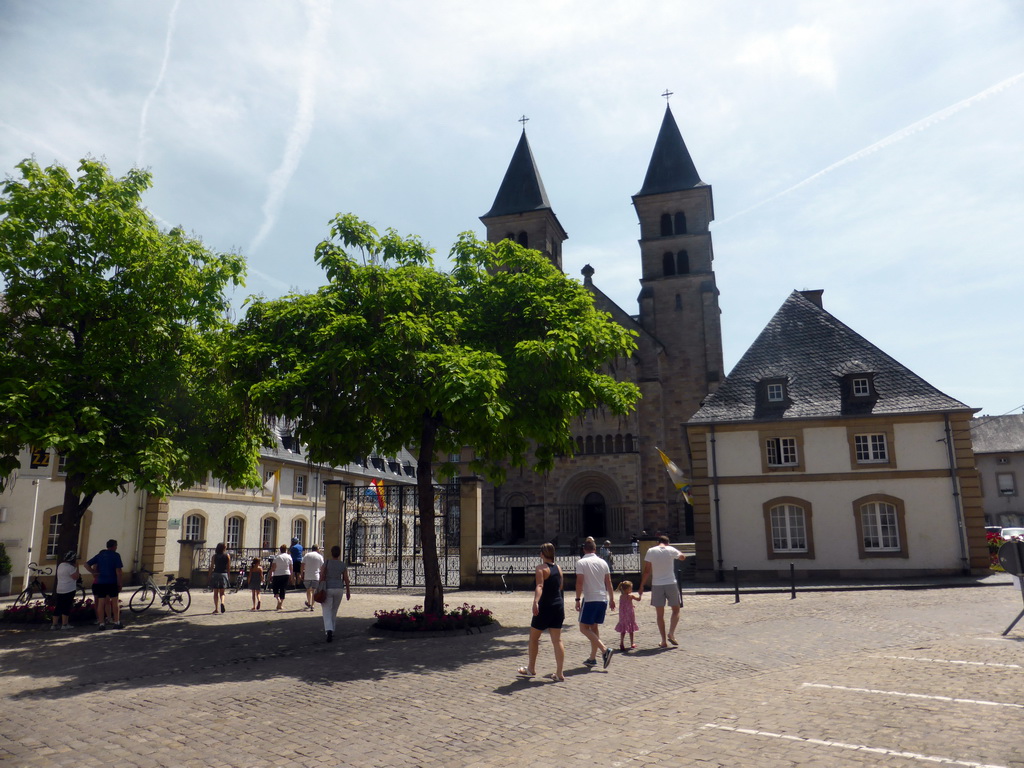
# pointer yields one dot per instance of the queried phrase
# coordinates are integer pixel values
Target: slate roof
(812, 351)
(521, 190)
(998, 434)
(671, 169)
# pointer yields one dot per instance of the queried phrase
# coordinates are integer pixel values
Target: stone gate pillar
(154, 536)
(470, 525)
(334, 517)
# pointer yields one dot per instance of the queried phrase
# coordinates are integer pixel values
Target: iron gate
(381, 531)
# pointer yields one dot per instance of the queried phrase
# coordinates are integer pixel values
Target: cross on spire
(667, 95)
(524, 120)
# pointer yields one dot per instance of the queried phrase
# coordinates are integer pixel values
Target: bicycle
(174, 594)
(37, 590)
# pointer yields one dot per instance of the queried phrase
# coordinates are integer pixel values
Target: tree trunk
(72, 512)
(433, 598)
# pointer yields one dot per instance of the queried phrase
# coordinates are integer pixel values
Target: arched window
(524, 240)
(629, 443)
(52, 535)
(579, 445)
(322, 537)
(233, 531)
(511, 236)
(666, 225)
(195, 527)
(680, 223)
(599, 444)
(789, 528)
(268, 533)
(668, 264)
(299, 530)
(609, 445)
(881, 526)
(618, 443)
(590, 444)
(683, 263)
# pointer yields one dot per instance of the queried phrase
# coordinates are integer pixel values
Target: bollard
(736, 582)
(792, 581)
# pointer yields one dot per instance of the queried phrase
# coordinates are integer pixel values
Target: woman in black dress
(548, 614)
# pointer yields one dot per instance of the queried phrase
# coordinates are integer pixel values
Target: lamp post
(32, 532)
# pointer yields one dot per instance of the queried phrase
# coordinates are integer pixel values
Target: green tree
(502, 353)
(112, 335)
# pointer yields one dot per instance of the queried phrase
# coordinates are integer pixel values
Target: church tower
(521, 210)
(678, 296)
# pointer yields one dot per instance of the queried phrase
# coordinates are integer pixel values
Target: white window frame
(782, 452)
(299, 530)
(880, 526)
(871, 448)
(861, 386)
(265, 524)
(776, 393)
(789, 528)
(1006, 484)
(53, 536)
(233, 530)
(300, 485)
(193, 527)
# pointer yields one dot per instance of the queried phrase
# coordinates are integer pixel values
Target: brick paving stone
(235, 689)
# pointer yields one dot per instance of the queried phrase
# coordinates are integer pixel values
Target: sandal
(524, 672)
(555, 678)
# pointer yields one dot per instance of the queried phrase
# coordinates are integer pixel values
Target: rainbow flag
(376, 490)
(676, 474)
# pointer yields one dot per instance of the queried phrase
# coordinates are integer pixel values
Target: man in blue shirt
(106, 569)
(295, 550)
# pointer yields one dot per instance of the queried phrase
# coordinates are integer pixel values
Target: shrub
(464, 617)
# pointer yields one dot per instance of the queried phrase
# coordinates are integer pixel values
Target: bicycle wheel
(142, 599)
(24, 598)
(80, 594)
(179, 601)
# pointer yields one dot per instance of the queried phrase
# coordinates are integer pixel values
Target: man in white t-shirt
(312, 562)
(594, 585)
(660, 569)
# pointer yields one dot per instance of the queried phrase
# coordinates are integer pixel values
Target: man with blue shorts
(594, 586)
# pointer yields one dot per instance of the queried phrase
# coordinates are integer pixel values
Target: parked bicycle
(36, 590)
(174, 594)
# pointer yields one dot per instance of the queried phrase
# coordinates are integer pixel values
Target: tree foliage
(113, 336)
(501, 353)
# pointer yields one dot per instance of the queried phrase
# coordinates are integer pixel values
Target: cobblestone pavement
(874, 678)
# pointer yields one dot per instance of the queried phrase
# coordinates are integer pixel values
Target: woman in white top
(280, 575)
(333, 578)
(64, 591)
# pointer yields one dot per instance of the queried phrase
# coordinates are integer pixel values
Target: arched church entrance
(595, 515)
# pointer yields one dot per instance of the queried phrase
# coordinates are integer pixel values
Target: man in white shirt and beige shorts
(660, 569)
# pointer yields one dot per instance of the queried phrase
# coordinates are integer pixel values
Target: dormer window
(772, 397)
(776, 392)
(861, 386)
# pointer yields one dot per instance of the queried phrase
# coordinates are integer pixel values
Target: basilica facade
(615, 485)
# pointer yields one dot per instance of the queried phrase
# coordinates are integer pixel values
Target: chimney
(814, 297)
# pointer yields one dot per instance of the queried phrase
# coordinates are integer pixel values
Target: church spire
(521, 190)
(521, 210)
(671, 169)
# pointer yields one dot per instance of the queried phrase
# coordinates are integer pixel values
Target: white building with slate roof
(821, 450)
(999, 448)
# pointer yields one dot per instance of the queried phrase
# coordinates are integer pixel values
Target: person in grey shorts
(659, 569)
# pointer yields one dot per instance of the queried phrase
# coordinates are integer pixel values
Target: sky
(871, 149)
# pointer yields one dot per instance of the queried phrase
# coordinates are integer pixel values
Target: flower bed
(403, 620)
(38, 612)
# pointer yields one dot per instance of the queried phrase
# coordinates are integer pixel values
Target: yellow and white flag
(676, 474)
(273, 487)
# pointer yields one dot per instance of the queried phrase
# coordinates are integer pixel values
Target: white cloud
(805, 51)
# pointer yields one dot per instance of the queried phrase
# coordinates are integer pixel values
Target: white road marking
(915, 695)
(955, 661)
(856, 747)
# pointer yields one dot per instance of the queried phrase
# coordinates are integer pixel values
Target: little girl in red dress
(627, 617)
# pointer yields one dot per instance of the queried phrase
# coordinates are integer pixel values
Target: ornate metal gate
(382, 535)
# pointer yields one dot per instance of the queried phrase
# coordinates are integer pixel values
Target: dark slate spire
(521, 190)
(671, 168)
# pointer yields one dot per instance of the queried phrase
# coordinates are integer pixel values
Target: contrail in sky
(903, 133)
(301, 127)
(171, 22)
